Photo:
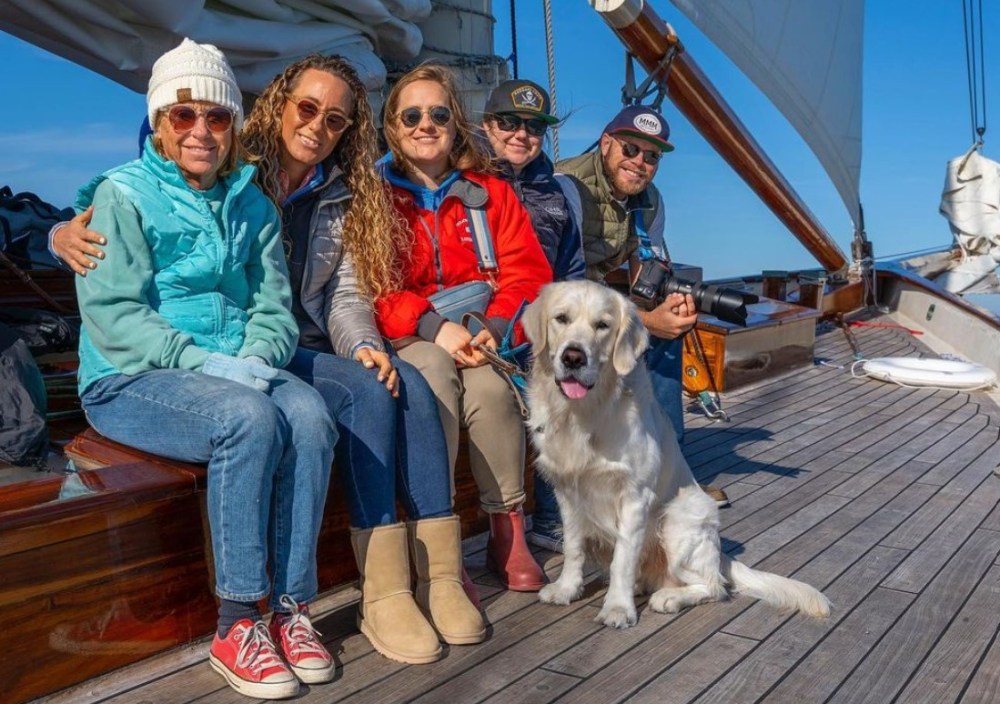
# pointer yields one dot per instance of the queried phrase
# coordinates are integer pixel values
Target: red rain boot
(508, 555)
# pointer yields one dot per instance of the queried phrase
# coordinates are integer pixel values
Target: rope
(550, 58)
(975, 67)
(513, 36)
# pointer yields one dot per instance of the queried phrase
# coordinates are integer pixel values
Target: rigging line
(975, 68)
(550, 59)
(513, 36)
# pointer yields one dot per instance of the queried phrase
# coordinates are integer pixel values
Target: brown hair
(372, 230)
(467, 153)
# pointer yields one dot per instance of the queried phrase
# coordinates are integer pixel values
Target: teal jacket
(186, 273)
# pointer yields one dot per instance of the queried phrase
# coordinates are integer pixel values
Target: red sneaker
(298, 641)
(247, 659)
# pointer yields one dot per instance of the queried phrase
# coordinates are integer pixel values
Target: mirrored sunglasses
(631, 151)
(512, 123)
(440, 115)
(309, 110)
(183, 118)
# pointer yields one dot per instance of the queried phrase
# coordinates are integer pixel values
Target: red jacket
(450, 259)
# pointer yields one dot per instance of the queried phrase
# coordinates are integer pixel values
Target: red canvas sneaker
(246, 657)
(299, 642)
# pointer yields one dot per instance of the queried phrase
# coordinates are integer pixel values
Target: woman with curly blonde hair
(312, 137)
(453, 205)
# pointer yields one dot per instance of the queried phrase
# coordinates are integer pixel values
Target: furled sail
(971, 203)
(806, 57)
(121, 39)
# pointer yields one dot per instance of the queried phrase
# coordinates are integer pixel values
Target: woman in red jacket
(440, 183)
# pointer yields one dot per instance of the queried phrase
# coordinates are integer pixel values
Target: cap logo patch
(526, 97)
(183, 95)
(647, 123)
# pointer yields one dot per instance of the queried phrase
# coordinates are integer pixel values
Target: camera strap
(646, 250)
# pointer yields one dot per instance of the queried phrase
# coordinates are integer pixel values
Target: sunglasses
(649, 156)
(309, 110)
(183, 118)
(512, 123)
(411, 117)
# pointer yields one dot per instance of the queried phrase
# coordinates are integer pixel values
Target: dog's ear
(535, 323)
(632, 339)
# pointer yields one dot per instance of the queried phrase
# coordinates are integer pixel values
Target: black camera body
(656, 281)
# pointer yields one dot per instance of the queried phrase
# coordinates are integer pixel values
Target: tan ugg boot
(388, 615)
(437, 555)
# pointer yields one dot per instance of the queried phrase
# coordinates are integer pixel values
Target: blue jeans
(664, 360)
(252, 441)
(388, 447)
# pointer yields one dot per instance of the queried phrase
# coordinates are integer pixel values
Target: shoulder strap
(482, 240)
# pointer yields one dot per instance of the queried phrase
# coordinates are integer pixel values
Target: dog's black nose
(573, 358)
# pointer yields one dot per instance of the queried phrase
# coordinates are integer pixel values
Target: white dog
(626, 494)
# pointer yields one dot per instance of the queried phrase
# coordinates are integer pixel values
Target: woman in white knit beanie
(185, 333)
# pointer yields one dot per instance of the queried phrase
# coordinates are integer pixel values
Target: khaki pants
(480, 400)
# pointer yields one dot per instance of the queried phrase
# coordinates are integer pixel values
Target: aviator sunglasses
(512, 123)
(184, 117)
(630, 151)
(440, 115)
(308, 110)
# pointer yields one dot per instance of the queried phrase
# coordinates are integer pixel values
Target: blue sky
(61, 124)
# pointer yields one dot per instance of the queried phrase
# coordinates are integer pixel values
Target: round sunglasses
(183, 118)
(512, 123)
(308, 110)
(631, 151)
(410, 117)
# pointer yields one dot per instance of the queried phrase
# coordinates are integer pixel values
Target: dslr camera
(656, 280)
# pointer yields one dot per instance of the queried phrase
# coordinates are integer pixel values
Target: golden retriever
(626, 494)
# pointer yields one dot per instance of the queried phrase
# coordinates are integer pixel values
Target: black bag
(24, 437)
(25, 221)
(42, 331)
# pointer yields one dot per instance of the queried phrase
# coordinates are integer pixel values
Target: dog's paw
(665, 603)
(618, 616)
(560, 594)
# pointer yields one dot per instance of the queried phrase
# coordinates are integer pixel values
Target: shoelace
(257, 652)
(301, 633)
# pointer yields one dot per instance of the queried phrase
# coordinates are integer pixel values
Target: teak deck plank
(883, 497)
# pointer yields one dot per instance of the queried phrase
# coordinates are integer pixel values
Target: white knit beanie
(193, 71)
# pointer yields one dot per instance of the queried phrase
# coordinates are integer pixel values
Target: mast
(648, 38)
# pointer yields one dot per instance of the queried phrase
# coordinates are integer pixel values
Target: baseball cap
(644, 123)
(521, 96)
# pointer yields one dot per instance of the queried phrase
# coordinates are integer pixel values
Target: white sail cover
(971, 203)
(121, 39)
(806, 56)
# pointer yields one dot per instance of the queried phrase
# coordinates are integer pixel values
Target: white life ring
(940, 373)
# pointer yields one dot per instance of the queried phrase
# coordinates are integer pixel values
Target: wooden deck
(882, 496)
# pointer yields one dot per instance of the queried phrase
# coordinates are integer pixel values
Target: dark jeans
(388, 447)
(664, 359)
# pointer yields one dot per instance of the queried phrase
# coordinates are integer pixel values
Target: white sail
(121, 39)
(806, 56)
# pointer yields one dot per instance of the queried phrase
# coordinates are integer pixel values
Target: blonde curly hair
(373, 233)
(467, 153)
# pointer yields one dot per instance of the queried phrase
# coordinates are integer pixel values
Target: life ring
(940, 373)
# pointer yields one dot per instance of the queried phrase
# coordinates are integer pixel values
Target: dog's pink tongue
(573, 388)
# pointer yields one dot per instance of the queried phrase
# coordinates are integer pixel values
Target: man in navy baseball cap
(611, 195)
